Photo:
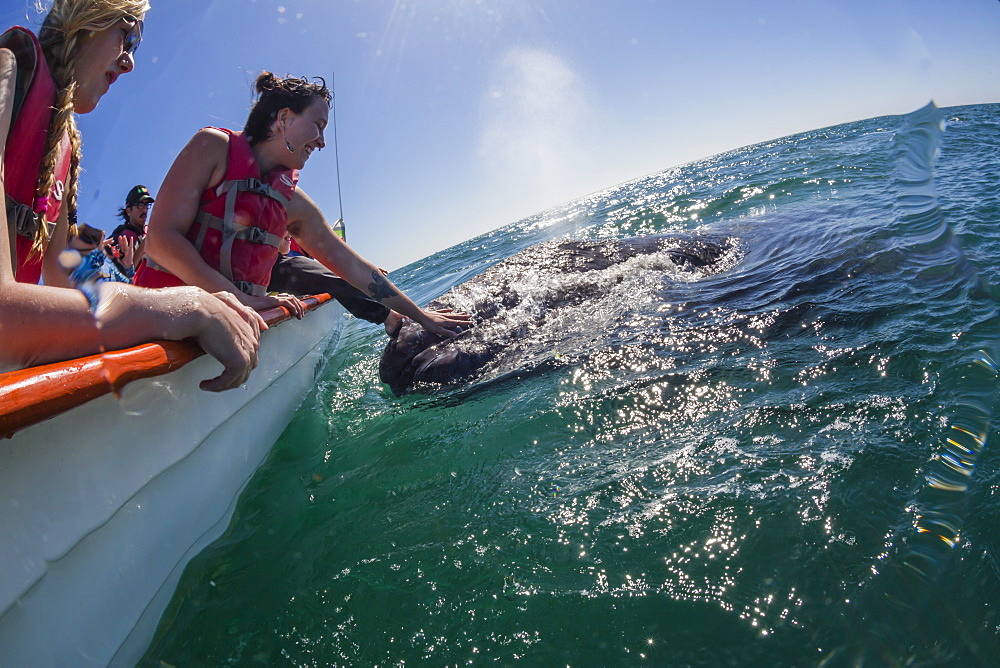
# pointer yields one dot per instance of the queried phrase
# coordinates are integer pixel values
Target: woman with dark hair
(81, 50)
(230, 197)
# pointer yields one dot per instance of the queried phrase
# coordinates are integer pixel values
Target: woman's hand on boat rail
(231, 335)
(223, 327)
(290, 302)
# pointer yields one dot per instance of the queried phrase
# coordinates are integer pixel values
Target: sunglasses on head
(133, 37)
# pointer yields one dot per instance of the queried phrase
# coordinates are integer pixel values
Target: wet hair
(276, 93)
(65, 23)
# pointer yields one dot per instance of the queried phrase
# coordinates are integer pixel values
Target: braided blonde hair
(65, 23)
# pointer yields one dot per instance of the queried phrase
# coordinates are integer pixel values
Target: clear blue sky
(458, 116)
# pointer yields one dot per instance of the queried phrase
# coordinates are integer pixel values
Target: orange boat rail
(30, 396)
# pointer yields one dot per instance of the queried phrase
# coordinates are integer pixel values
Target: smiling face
(302, 132)
(100, 58)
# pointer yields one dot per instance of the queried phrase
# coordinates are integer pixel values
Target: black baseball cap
(138, 195)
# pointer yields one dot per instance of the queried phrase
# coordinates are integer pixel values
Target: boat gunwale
(33, 395)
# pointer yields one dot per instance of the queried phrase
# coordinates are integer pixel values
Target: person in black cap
(134, 213)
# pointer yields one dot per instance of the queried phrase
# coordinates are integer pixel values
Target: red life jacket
(240, 223)
(34, 97)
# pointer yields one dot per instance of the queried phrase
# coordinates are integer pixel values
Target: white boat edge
(102, 507)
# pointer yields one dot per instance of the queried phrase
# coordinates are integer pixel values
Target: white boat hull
(101, 508)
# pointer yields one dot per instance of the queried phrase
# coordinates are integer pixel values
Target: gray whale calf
(515, 298)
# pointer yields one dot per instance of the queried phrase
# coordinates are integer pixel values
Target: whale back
(514, 298)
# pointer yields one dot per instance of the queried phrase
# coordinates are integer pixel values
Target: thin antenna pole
(336, 150)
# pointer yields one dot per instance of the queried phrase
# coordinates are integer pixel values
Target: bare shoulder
(209, 141)
(203, 160)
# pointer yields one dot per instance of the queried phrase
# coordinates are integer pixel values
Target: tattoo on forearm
(380, 289)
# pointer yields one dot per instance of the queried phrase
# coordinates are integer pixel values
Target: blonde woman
(79, 53)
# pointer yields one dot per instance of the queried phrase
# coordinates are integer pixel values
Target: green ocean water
(786, 463)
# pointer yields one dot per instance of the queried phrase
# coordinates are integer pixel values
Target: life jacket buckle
(255, 235)
(21, 217)
(244, 286)
(256, 186)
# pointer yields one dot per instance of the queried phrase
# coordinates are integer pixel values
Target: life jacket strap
(251, 288)
(24, 219)
(231, 230)
(254, 235)
(243, 286)
(251, 185)
(153, 264)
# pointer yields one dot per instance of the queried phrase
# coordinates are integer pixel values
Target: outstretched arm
(307, 224)
(40, 324)
(37, 323)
